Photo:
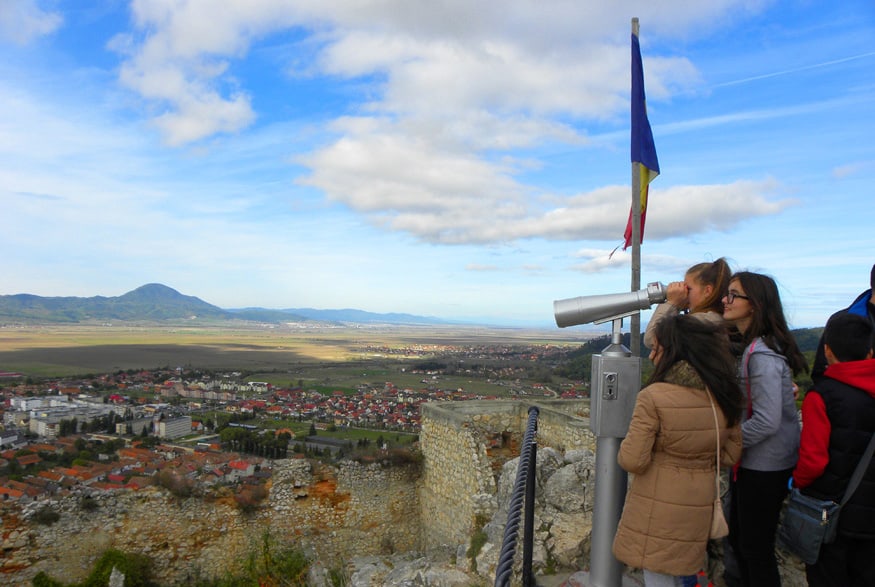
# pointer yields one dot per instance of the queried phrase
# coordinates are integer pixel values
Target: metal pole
(635, 320)
(610, 494)
(529, 516)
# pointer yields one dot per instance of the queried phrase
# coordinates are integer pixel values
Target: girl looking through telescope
(700, 293)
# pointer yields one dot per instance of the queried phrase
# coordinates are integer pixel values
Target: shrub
(43, 580)
(478, 539)
(88, 504)
(250, 498)
(137, 569)
(337, 578)
(178, 485)
(46, 516)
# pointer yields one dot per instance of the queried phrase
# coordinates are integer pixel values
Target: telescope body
(604, 307)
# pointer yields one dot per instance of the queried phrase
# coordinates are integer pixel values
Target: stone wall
(340, 513)
(334, 513)
(464, 445)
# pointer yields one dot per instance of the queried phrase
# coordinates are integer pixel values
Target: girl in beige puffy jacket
(670, 450)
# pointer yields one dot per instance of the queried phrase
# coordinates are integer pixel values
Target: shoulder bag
(719, 527)
(807, 522)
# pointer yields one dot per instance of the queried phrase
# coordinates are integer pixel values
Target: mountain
(157, 302)
(149, 302)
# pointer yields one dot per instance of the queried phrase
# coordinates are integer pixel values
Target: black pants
(755, 505)
(844, 563)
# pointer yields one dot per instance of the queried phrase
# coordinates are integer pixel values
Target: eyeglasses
(731, 295)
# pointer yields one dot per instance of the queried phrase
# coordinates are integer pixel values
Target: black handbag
(807, 523)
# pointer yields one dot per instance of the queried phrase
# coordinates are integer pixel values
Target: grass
(301, 429)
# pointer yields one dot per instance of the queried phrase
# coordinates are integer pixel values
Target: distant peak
(153, 290)
(155, 287)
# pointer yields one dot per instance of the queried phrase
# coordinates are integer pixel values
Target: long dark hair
(705, 346)
(715, 274)
(767, 320)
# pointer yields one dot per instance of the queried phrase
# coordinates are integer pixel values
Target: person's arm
(814, 441)
(765, 373)
(731, 449)
(677, 298)
(636, 450)
(659, 314)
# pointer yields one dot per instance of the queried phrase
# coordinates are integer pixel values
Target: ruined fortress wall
(333, 513)
(564, 425)
(459, 441)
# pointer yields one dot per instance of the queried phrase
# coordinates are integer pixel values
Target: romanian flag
(643, 149)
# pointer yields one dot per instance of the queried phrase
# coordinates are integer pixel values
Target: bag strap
(859, 471)
(745, 372)
(717, 427)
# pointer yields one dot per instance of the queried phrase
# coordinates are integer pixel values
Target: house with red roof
(28, 460)
(239, 469)
(7, 493)
(51, 475)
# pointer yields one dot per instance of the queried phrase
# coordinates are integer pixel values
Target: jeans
(755, 506)
(652, 579)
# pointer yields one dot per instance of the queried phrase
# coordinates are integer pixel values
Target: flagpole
(635, 319)
(610, 479)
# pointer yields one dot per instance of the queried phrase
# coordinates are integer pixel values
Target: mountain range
(157, 302)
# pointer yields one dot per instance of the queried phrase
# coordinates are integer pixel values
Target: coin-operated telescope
(616, 374)
(601, 308)
(616, 380)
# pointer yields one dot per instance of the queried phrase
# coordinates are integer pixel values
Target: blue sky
(460, 159)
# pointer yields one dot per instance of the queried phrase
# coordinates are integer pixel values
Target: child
(838, 421)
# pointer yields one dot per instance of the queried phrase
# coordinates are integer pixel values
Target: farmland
(337, 355)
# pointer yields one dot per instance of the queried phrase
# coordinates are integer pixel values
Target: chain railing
(522, 500)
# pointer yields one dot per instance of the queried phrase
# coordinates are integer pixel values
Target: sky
(461, 159)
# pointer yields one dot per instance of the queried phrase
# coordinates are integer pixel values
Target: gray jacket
(770, 424)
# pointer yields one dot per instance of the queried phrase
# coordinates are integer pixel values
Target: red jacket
(816, 426)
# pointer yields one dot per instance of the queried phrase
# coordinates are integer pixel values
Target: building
(174, 428)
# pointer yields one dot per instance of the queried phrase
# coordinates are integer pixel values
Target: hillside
(155, 302)
(149, 302)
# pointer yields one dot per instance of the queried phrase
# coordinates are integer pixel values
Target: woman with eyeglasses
(700, 293)
(770, 424)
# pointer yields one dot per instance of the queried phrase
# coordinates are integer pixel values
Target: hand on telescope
(678, 295)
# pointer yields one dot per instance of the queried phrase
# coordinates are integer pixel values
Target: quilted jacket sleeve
(636, 450)
(731, 449)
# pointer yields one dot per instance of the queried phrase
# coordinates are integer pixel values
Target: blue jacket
(861, 307)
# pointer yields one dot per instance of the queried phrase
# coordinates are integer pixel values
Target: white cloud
(22, 21)
(687, 210)
(437, 61)
(479, 267)
(852, 169)
(458, 88)
(449, 197)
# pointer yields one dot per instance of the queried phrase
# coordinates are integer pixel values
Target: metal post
(635, 321)
(610, 493)
(529, 516)
(610, 479)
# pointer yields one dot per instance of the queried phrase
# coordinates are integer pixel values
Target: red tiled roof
(28, 460)
(13, 493)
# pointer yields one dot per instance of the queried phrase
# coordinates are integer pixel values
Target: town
(193, 431)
